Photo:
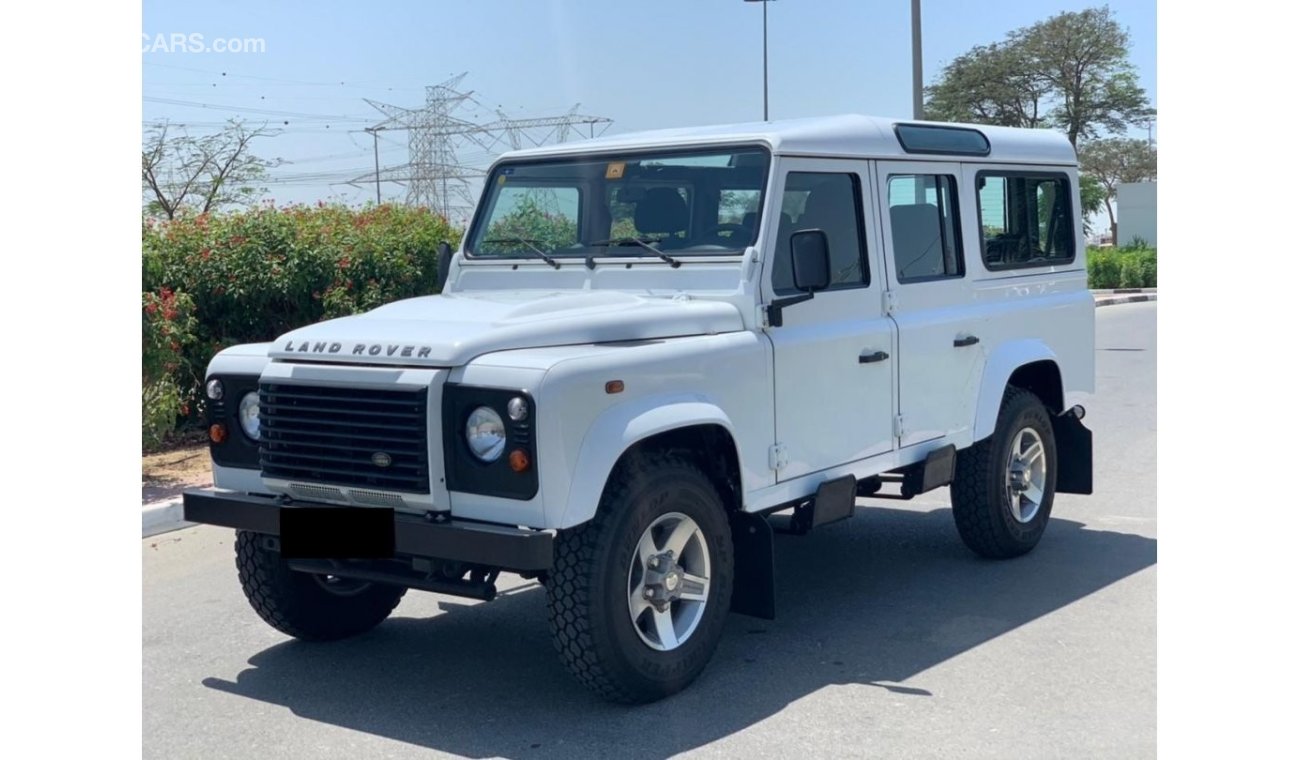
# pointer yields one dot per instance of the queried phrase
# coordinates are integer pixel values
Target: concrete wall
(1136, 212)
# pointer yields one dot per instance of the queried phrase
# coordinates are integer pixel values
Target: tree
(1116, 161)
(1092, 198)
(179, 171)
(990, 84)
(1070, 72)
(1084, 58)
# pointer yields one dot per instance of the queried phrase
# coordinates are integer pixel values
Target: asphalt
(892, 640)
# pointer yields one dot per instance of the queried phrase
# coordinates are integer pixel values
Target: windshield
(680, 203)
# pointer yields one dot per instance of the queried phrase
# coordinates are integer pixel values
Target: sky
(670, 63)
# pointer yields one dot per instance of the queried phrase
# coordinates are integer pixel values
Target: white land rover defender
(647, 347)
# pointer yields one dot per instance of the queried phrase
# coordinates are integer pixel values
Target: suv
(646, 348)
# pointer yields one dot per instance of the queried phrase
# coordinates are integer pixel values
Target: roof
(850, 135)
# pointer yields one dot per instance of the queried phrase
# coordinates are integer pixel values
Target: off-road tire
(297, 604)
(979, 502)
(587, 591)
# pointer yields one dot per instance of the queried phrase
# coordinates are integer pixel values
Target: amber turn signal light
(614, 386)
(217, 433)
(519, 460)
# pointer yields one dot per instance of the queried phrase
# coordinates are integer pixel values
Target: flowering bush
(167, 319)
(254, 275)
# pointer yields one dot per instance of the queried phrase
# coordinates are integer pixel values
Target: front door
(835, 354)
(941, 357)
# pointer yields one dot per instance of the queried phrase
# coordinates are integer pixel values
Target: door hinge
(898, 426)
(777, 458)
(890, 302)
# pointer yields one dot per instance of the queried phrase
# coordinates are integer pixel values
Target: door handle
(969, 340)
(872, 357)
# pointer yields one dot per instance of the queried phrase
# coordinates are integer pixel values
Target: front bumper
(507, 548)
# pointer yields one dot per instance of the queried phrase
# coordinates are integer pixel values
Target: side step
(833, 502)
(935, 471)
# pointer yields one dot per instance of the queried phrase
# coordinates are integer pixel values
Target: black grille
(335, 436)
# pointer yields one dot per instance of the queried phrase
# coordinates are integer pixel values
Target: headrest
(662, 211)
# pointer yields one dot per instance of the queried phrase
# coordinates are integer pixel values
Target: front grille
(333, 435)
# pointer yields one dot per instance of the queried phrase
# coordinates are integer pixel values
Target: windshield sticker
(615, 170)
(501, 179)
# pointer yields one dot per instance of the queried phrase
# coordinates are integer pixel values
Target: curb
(163, 517)
(1111, 301)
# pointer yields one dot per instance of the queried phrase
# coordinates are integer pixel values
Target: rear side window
(924, 227)
(1026, 219)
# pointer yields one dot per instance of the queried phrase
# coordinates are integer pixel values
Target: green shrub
(1121, 268)
(254, 275)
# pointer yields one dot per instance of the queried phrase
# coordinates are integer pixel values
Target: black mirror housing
(444, 263)
(811, 259)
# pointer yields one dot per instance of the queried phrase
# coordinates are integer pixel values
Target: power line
(438, 171)
(249, 109)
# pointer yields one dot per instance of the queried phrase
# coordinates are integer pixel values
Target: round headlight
(486, 434)
(517, 408)
(250, 416)
(215, 390)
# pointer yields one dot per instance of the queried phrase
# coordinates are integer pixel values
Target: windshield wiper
(533, 249)
(645, 243)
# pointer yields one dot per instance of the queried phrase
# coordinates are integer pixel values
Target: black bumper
(496, 546)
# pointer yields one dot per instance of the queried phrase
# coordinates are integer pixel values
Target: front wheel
(1004, 485)
(307, 606)
(638, 595)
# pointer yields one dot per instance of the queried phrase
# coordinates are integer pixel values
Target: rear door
(923, 207)
(833, 355)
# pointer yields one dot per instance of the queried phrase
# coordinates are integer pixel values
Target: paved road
(893, 641)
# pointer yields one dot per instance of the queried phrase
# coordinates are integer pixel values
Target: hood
(449, 330)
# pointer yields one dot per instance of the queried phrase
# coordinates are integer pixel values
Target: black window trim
(956, 223)
(1069, 201)
(863, 256)
(988, 148)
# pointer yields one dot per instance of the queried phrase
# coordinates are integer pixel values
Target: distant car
(646, 347)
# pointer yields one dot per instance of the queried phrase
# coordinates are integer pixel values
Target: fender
(622, 426)
(998, 369)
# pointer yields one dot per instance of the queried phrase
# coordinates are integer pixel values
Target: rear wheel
(304, 605)
(1003, 488)
(638, 595)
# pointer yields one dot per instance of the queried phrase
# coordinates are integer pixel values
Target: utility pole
(764, 2)
(374, 132)
(918, 103)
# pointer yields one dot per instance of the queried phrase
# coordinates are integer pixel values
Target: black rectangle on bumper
(459, 540)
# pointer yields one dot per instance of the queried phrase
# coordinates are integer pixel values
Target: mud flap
(1073, 454)
(754, 590)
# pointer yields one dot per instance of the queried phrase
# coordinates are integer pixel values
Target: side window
(924, 225)
(831, 203)
(1025, 219)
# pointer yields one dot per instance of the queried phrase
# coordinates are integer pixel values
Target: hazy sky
(644, 65)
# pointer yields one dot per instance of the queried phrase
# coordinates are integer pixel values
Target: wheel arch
(1028, 364)
(696, 428)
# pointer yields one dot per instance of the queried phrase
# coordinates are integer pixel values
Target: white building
(1136, 212)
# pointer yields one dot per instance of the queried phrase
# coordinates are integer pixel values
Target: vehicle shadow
(873, 600)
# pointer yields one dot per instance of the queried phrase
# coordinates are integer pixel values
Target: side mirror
(810, 256)
(444, 263)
